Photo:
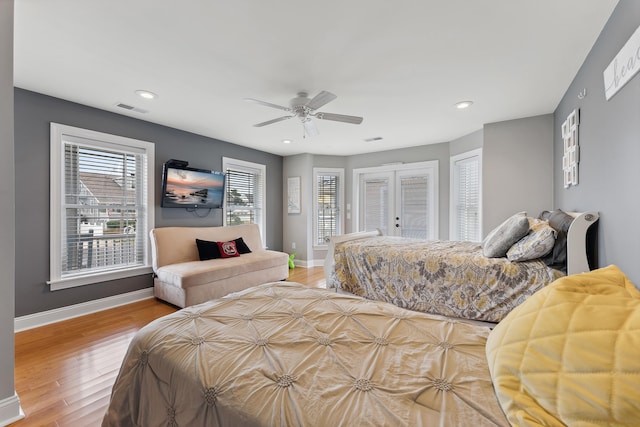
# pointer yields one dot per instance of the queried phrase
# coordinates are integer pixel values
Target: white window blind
(415, 206)
(100, 207)
(466, 197)
(245, 188)
(376, 205)
(328, 196)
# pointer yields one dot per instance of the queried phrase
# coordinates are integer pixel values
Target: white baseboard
(10, 410)
(308, 263)
(35, 320)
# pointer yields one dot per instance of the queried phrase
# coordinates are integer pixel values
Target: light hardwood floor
(64, 372)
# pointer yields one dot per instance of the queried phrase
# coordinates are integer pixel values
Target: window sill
(91, 279)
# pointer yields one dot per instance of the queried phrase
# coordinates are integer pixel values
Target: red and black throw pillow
(228, 249)
(207, 249)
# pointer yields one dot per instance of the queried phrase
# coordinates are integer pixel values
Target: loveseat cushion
(568, 354)
(195, 273)
(174, 245)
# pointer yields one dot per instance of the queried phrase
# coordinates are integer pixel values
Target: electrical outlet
(293, 245)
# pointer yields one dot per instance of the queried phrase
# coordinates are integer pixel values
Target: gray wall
(297, 227)
(609, 137)
(7, 195)
(517, 161)
(466, 143)
(33, 113)
(517, 168)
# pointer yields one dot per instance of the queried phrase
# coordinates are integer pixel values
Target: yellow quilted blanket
(570, 354)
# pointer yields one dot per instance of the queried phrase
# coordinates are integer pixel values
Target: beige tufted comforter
(442, 277)
(282, 354)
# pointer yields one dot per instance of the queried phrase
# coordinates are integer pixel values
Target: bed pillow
(241, 246)
(228, 249)
(536, 244)
(568, 354)
(560, 221)
(207, 249)
(501, 238)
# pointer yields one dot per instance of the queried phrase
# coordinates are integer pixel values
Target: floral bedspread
(441, 277)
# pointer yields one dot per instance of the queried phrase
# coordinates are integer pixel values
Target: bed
(457, 279)
(282, 354)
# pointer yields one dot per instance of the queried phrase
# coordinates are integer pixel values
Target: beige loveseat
(183, 280)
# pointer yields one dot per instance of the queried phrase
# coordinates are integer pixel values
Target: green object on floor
(291, 263)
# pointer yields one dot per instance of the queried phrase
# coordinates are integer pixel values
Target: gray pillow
(536, 244)
(501, 238)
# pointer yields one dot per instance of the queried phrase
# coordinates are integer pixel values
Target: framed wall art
(293, 195)
(571, 157)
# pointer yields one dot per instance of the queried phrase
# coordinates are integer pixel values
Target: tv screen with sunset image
(192, 188)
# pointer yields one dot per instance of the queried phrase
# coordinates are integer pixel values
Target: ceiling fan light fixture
(463, 104)
(146, 94)
(305, 110)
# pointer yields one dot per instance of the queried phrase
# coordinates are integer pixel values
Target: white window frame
(339, 172)
(430, 167)
(60, 133)
(453, 196)
(245, 166)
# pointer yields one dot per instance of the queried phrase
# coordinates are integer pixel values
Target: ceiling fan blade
(310, 128)
(339, 118)
(268, 122)
(320, 99)
(268, 104)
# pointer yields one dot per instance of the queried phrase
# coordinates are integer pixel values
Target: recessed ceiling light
(146, 94)
(286, 141)
(463, 104)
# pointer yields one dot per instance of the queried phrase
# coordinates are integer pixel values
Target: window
(101, 206)
(245, 193)
(328, 196)
(466, 175)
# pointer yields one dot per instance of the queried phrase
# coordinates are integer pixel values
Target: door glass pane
(376, 204)
(413, 206)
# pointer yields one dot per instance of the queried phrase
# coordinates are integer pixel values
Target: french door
(400, 200)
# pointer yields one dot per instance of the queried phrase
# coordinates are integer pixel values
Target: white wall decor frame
(293, 195)
(624, 66)
(571, 157)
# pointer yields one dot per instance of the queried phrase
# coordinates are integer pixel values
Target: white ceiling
(402, 65)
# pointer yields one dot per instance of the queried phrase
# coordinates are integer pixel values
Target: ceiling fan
(304, 108)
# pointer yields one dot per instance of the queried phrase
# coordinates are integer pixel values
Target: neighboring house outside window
(245, 188)
(101, 206)
(328, 190)
(466, 196)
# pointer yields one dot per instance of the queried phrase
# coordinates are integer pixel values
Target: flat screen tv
(184, 187)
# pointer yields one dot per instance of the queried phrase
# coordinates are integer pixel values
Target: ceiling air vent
(374, 139)
(131, 108)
